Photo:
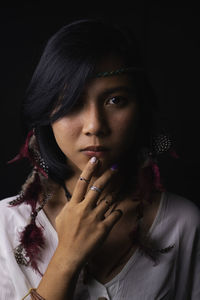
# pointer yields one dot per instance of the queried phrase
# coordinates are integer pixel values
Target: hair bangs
(72, 90)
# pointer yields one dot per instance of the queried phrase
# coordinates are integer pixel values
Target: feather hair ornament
(149, 180)
(30, 150)
(36, 191)
(31, 239)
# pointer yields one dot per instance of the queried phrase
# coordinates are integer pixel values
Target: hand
(82, 226)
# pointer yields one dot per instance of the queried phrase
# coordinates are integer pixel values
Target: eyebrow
(109, 91)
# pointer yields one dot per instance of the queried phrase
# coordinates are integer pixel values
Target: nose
(94, 122)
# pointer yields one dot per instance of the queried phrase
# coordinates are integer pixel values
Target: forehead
(107, 64)
(122, 82)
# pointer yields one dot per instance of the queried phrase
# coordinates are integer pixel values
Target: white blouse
(175, 276)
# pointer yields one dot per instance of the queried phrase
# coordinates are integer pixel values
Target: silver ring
(86, 180)
(96, 189)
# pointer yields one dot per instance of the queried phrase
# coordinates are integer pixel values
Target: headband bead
(118, 71)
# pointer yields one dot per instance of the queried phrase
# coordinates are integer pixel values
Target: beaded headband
(118, 71)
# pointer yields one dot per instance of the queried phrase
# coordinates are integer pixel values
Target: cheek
(64, 131)
(126, 122)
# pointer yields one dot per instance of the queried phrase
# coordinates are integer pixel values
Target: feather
(173, 153)
(32, 240)
(24, 151)
(157, 180)
(32, 191)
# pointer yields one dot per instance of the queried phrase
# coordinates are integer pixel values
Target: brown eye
(116, 101)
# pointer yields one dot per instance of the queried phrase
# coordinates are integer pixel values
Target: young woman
(92, 220)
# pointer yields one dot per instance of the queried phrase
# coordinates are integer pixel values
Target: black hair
(68, 61)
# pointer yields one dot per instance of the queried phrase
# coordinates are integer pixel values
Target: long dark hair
(68, 61)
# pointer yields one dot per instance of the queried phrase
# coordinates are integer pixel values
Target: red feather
(157, 180)
(173, 153)
(32, 240)
(24, 151)
(32, 192)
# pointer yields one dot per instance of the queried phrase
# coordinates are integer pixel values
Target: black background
(168, 35)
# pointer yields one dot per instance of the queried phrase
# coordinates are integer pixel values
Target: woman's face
(103, 122)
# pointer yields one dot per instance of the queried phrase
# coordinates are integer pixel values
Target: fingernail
(93, 160)
(114, 167)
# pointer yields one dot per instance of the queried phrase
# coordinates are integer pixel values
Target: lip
(97, 151)
(95, 148)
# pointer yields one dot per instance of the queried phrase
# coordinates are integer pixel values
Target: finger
(84, 180)
(112, 219)
(96, 190)
(103, 207)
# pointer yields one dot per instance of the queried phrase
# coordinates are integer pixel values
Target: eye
(118, 100)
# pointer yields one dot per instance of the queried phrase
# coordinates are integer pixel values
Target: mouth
(97, 151)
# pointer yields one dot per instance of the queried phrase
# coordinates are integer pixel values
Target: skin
(100, 119)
